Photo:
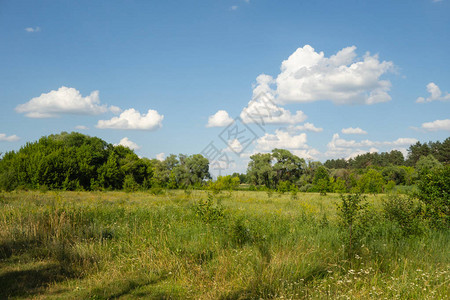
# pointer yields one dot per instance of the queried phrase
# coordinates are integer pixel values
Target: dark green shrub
(208, 210)
(129, 184)
(350, 212)
(240, 233)
(283, 186)
(405, 212)
(434, 192)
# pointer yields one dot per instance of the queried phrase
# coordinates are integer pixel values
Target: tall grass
(97, 245)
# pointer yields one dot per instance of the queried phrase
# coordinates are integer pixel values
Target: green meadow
(193, 244)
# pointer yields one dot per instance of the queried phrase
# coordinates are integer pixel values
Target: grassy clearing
(240, 245)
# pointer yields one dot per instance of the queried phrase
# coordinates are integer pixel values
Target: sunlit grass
(101, 245)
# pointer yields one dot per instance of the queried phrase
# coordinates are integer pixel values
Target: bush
(209, 210)
(240, 232)
(283, 186)
(129, 184)
(405, 212)
(434, 192)
(350, 212)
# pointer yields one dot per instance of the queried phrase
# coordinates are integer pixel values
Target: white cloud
(129, 144)
(360, 152)
(234, 146)
(281, 139)
(401, 142)
(305, 127)
(234, 7)
(81, 127)
(352, 130)
(308, 76)
(437, 125)
(339, 148)
(308, 154)
(115, 109)
(160, 156)
(262, 107)
(131, 119)
(219, 119)
(31, 29)
(435, 94)
(11, 138)
(63, 101)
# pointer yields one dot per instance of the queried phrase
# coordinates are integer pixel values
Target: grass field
(186, 245)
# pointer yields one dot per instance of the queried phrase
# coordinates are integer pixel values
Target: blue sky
(329, 79)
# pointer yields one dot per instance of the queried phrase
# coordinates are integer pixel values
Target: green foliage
(209, 210)
(156, 190)
(78, 162)
(240, 232)
(350, 213)
(405, 212)
(339, 186)
(390, 186)
(284, 186)
(371, 182)
(427, 164)
(223, 183)
(287, 167)
(294, 192)
(260, 171)
(434, 192)
(322, 180)
(129, 184)
(270, 169)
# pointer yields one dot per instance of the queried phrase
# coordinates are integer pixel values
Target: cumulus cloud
(115, 109)
(263, 109)
(129, 144)
(308, 154)
(65, 100)
(11, 138)
(234, 146)
(437, 125)
(343, 78)
(435, 94)
(132, 119)
(360, 152)
(339, 147)
(352, 130)
(305, 127)
(31, 29)
(81, 127)
(281, 139)
(219, 119)
(160, 156)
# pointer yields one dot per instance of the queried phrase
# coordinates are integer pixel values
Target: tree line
(73, 161)
(366, 173)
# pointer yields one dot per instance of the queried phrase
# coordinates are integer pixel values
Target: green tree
(287, 167)
(371, 182)
(322, 180)
(109, 174)
(426, 164)
(260, 170)
(434, 192)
